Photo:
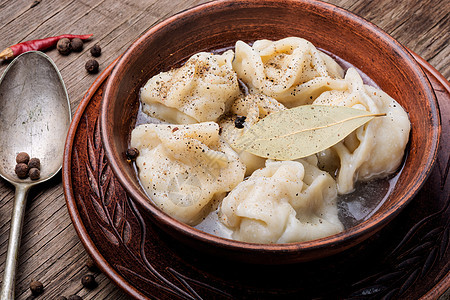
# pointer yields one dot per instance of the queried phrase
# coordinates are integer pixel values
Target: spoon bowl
(34, 115)
(34, 118)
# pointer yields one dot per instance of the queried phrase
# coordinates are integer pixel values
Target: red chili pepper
(41, 44)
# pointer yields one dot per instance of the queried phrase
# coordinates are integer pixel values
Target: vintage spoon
(34, 118)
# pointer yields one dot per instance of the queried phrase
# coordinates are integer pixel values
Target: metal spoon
(34, 118)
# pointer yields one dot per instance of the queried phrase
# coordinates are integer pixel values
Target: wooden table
(51, 250)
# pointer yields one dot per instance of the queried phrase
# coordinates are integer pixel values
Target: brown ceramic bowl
(220, 24)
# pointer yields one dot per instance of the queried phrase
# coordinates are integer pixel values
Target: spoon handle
(14, 242)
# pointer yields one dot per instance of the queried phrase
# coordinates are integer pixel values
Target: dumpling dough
(184, 168)
(373, 150)
(199, 91)
(287, 70)
(288, 201)
(253, 107)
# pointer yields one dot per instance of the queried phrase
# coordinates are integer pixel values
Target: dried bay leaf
(301, 131)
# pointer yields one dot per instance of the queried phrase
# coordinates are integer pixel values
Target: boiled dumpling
(185, 168)
(199, 91)
(251, 109)
(287, 70)
(373, 150)
(288, 201)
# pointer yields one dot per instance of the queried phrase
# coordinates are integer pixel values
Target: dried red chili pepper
(41, 44)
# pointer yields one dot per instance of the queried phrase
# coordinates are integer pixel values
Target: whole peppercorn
(21, 170)
(90, 264)
(239, 122)
(34, 163)
(132, 153)
(91, 66)
(61, 298)
(96, 50)
(89, 282)
(64, 47)
(22, 157)
(74, 297)
(34, 173)
(36, 287)
(77, 44)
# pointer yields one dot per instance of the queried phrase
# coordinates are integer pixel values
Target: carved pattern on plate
(410, 260)
(114, 211)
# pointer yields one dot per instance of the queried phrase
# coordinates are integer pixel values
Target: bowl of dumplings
(269, 132)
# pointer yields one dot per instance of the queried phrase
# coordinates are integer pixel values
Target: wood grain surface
(50, 250)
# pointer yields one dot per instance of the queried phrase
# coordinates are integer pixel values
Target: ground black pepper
(64, 47)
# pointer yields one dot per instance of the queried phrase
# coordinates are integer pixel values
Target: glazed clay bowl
(220, 24)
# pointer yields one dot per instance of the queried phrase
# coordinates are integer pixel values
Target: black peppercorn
(64, 47)
(132, 153)
(34, 163)
(61, 298)
(34, 173)
(74, 297)
(92, 66)
(89, 282)
(239, 122)
(36, 287)
(22, 157)
(21, 170)
(96, 50)
(77, 44)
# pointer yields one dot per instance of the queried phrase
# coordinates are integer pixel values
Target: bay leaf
(301, 131)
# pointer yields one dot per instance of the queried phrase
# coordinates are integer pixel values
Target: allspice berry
(21, 170)
(22, 157)
(34, 163)
(90, 264)
(36, 287)
(77, 44)
(64, 47)
(74, 297)
(91, 66)
(239, 122)
(34, 173)
(96, 50)
(89, 282)
(132, 153)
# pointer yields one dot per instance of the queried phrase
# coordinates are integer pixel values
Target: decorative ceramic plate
(408, 259)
